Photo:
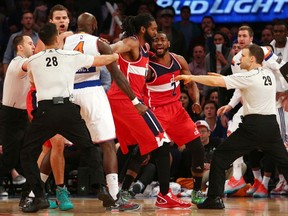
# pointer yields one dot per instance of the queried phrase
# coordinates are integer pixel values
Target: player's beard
(148, 38)
(160, 55)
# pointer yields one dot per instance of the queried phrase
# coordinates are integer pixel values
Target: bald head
(87, 22)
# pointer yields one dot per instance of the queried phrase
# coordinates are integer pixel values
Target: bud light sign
(230, 11)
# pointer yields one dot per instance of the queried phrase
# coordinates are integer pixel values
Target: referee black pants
(49, 120)
(13, 125)
(256, 132)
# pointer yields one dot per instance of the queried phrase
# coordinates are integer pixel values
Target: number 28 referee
(52, 71)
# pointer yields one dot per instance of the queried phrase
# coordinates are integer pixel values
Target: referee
(52, 71)
(259, 129)
(13, 115)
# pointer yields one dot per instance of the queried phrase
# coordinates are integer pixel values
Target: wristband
(135, 101)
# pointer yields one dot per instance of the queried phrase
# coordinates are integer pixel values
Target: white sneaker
(3, 192)
(18, 180)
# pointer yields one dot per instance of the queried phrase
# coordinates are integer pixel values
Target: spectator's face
(218, 39)
(184, 98)
(160, 45)
(207, 24)
(244, 39)
(185, 14)
(27, 21)
(28, 46)
(214, 97)
(198, 54)
(280, 33)
(204, 133)
(266, 36)
(150, 32)
(61, 20)
(210, 110)
(235, 48)
(167, 21)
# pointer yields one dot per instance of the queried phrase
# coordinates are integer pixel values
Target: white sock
(112, 184)
(257, 174)
(237, 168)
(265, 181)
(281, 178)
(31, 194)
(44, 177)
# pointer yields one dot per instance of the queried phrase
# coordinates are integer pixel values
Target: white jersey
(258, 90)
(84, 43)
(15, 87)
(271, 62)
(53, 71)
(88, 92)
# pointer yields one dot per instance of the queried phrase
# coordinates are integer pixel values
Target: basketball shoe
(171, 201)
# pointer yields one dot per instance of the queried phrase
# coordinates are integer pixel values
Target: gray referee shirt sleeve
(105, 78)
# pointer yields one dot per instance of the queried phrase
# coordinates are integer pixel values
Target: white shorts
(96, 111)
(236, 120)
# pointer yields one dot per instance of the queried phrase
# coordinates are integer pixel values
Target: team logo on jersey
(279, 60)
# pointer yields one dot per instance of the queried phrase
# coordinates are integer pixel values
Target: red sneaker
(233, 185)
(261, 192)
(279, 187)
(171, 201)
(254, 187)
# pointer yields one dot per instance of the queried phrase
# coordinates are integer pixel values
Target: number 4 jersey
(87, 44)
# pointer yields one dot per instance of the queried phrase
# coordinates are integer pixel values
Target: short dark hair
(257, 52)
(280, 22)
(48, 33)
(185, 7)
(17, 40)
(57, 7)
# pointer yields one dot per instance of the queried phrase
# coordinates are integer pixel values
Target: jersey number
(267, 80)
(79, 47)
(51, 61)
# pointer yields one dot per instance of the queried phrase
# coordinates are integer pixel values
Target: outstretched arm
(120, 79)
(209, 80)
(105, 59)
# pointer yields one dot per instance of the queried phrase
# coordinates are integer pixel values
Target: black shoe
(24, 201)
(105, 197)
(35, 204)
(212, 203)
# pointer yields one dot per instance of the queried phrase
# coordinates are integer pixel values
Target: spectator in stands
(27, 29)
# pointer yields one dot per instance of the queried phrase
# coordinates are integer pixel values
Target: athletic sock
(112, 184)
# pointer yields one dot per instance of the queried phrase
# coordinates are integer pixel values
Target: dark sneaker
(122, 203)
(137, 187)
(105, 197)
(212, 203)
(35, 204)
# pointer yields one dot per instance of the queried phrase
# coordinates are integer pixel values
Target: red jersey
(135, 73)
(163, 89)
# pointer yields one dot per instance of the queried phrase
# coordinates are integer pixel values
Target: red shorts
(177, 123)
(31, 105)
(132, 128)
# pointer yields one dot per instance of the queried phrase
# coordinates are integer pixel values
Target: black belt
(55, 101)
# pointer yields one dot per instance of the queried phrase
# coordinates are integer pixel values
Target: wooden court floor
(275, 206)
